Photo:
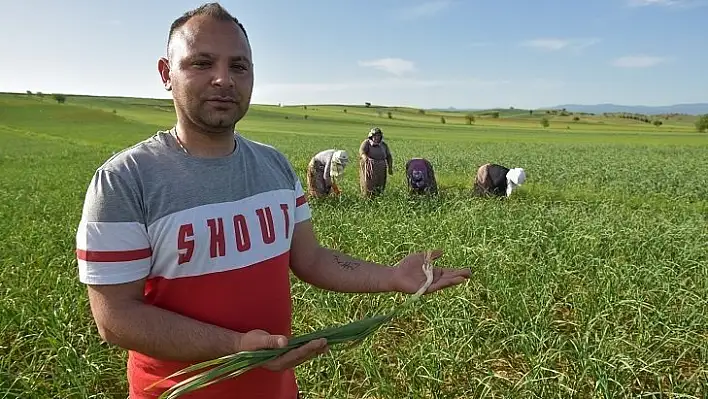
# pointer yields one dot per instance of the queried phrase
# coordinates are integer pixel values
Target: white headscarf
(340, 159)
(514, 178)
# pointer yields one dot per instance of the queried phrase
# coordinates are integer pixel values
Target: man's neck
(205, 145)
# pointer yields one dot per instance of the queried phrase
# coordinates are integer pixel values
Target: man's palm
(408, 275)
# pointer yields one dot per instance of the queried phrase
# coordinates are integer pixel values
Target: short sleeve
(112, 243)
(302, 208)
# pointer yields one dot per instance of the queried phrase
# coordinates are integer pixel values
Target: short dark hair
(213, 10)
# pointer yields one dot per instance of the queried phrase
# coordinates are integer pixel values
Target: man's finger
(296, 356)
(435, 254)
(456, 272)
(445, 282)
(303, 357)
(449, 277)
(275, 341)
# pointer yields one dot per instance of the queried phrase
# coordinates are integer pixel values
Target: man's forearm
(166, 335)
(336, 271)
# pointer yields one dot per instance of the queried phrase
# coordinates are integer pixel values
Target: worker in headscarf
(324, 169)
(498, 180)
(375, 161)
(421, 176)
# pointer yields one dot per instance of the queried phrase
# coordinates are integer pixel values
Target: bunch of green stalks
(238, 363)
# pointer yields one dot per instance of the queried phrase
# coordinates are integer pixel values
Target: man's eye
(239, 67)
(201, 63)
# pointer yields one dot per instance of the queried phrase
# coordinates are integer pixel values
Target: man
(497, 180)
(322, 171)
(187, 238)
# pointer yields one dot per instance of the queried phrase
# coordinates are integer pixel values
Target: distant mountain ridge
(690, 109)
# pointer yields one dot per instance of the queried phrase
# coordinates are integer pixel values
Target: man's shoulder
(265, 153)
(141, 154)
(260, 147)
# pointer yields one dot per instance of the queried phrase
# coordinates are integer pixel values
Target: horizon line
(557, 106)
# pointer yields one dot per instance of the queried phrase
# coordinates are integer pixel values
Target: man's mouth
(221, 99)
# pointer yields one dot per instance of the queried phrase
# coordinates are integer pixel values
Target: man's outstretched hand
(408, 275)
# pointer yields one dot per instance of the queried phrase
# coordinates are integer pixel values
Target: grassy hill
(590, 281)
(519, 118)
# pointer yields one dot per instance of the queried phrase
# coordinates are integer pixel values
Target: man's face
(210, 73)
(376, 138)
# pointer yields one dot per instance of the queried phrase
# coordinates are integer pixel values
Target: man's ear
(163, 67)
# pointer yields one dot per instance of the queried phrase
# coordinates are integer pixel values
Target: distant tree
(576, 118)
(304, 107)
(390, 115)
(367, 105)
(469, 118)
(29, 92)
(658, 123)
(305, 116)
(442, 119)
(531, 112)
(421, 111)
(344, 110)
(702, 123)
(495, 114)
(61, 99)
(545, 122)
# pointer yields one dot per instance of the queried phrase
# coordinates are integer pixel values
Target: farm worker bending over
(497, 180)
(187, 238)
(322, 171)
(421, 176)
(375, 157)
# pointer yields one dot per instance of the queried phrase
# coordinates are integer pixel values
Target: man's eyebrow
(210, 55)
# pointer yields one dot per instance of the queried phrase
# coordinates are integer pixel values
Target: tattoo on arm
(346, 264)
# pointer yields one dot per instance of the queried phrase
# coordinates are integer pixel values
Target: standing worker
(375, 161)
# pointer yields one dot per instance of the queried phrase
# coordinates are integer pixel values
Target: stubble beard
(210, 122)
(218, 122)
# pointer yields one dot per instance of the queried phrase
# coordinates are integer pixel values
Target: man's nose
(222, 76)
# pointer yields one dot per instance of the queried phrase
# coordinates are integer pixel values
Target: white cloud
(395, 66)
(547, 44)
(556, 44)
(638, 61)
(426, 9)
(667, 3)
(644, 3)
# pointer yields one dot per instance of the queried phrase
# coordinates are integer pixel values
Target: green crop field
(591, 281)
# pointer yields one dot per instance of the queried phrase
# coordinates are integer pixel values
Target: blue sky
(436, 53)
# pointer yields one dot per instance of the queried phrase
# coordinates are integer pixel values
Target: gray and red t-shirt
(212, 238)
